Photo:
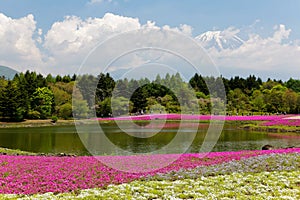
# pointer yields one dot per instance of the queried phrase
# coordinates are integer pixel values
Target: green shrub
(33, 114)
(54, 119)
(65, 111)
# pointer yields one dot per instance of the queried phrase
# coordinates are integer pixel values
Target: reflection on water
(169, 138)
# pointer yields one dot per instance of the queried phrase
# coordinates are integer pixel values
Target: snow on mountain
(220, 40)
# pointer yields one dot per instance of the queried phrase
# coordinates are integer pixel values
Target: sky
(57, 37)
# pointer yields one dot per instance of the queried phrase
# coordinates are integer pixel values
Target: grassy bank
(6, 151)
(35, 123)
(273, 129)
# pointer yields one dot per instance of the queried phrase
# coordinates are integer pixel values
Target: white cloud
(183, 28)
(70, 40)
(280, 33)
(18, 44)
(230, 32)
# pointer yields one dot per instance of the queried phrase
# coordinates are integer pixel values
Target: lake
(113, 140)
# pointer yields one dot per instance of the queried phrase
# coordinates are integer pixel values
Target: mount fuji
(220, 40)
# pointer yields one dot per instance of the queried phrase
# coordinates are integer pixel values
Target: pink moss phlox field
(41, 174)
(198, 117)
(271, 120)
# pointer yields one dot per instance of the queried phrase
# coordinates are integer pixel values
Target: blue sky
(261, 20)
(202, 15)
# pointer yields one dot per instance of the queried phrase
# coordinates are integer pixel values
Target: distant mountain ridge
(7, 72)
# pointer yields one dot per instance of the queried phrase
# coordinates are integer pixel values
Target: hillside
(7, 72)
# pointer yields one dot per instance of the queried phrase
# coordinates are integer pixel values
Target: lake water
(111, 140)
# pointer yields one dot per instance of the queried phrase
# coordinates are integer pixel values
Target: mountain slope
(7, 72)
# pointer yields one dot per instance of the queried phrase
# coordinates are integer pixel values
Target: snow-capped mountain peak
(220, 40)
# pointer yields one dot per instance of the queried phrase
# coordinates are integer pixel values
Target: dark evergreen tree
(66, 79)
(11, 104)
(293, 84)
(50, 79)
(58, 78)
(199, 84)
(74, 77)
(105, 87)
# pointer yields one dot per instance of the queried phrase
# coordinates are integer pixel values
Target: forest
(33, 96)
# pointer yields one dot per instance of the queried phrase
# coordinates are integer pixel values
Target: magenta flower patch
(200, 117)
(41, 174)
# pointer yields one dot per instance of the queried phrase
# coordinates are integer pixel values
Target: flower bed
(261, 177)
(41, 174)
(267, 120)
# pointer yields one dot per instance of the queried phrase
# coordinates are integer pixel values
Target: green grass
(276, 129)
(6, 151)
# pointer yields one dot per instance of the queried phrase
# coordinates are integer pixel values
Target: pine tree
(11, 103)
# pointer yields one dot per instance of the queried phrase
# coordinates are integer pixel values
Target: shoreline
(35, 123)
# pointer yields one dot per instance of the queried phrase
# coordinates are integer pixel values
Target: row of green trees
(252, 95)
(171, 94)
(32, 96)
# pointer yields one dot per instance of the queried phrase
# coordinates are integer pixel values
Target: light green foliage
(42, 101)
(237, 100)
(54, 119)
(79, 105)
(65, 111)
(14, 152)
(104, 108)
(120, 106)
(60, 95)
(257, 101)
(217, 106)
(201, 95)
(290, 101)
(33, 114)
(169, 104)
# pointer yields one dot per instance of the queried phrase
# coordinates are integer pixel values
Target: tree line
(33, 96)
